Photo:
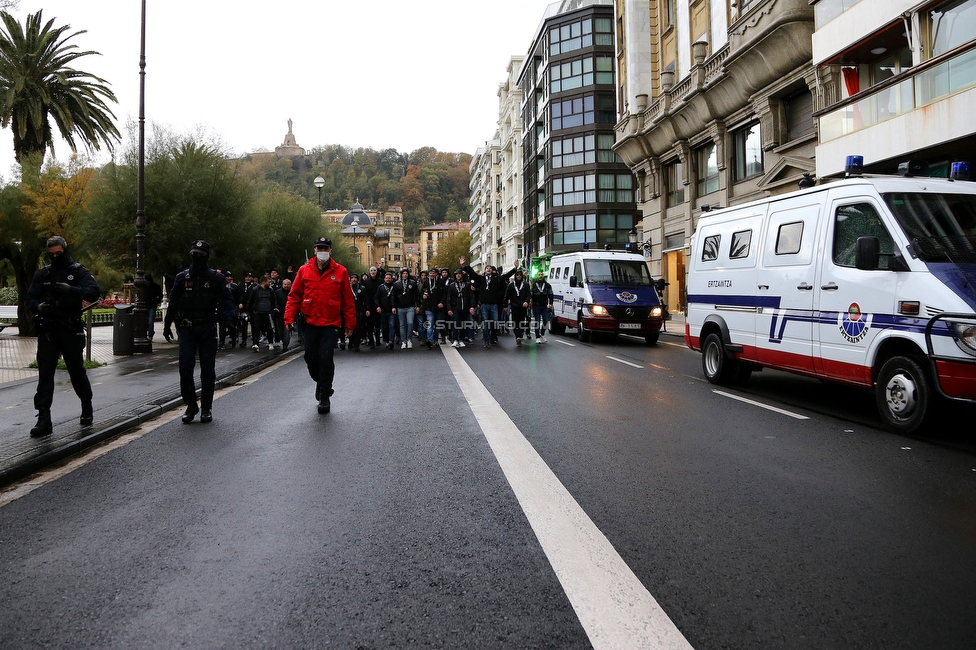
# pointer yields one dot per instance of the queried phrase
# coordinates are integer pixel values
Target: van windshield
(618, 272)
(940, 227)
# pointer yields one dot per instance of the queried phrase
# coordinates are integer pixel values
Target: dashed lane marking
(761, 405)
(615, 609)
(567, 343)
(626, 363)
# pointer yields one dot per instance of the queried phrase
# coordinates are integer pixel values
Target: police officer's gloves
(168, 334)
(61, 287)
(291, 328)
(45, 309)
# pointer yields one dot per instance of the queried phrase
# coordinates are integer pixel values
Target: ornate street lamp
(140, 316)
(319, 184)
(643, 246)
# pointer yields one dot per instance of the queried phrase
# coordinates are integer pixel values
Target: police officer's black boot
(44, 425)
(87, 414)
(191, 411)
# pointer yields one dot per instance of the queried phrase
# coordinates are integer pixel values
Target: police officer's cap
(323, 242)
(200, 247)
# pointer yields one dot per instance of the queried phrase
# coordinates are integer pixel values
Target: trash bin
(123, 335)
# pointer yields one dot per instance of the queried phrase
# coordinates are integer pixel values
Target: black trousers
(320, 343)
(198, 340)
(50, 346)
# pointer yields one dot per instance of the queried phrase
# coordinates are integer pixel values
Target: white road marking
(615, 609)
(677, 345)
(139, 372)
(761, 405)
(572, 345)
(628, 363)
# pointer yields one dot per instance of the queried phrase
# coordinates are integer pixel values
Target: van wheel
(903, 394)
(651, 339)
(718, 369)
(582, 333)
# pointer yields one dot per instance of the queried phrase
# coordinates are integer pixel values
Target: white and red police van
(868, 281)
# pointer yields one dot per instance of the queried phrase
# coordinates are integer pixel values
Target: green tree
(451, 248)
(51, 203)
(192, 191)
(289, 226)
(38, 85)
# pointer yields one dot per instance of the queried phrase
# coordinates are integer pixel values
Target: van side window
(788, 238)
(859, 220)
(740, 244)
(565, 272)
(710, 248)
(578, 271)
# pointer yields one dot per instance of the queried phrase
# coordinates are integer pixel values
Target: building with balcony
(716, 108)
(433, 236)
(484, 185)
(375, 237)
(509, 224)
(899, 82)
(576, 190)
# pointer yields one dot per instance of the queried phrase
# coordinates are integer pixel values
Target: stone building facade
(375, 237)
(716, 101)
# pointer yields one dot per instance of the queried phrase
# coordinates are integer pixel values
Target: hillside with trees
(431, 186)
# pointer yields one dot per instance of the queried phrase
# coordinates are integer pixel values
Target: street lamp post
(369, 253)
(643, 246)
(140, 316)
(319, 184)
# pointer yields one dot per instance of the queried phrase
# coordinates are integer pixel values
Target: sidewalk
(128, 390)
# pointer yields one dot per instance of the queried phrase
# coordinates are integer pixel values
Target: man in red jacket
(321, 292)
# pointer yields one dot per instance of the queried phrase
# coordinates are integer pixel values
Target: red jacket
(325, 298)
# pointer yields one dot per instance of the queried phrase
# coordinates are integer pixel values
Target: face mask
(322, 256)
(198, 261)
(59, 261)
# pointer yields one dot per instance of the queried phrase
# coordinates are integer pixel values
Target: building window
(708, 180)
(668, 13)
(574, 151)
(577, 74)
(580, 111)
(748, 152)
(574, 229)
(952, 24)
(616, 188)
(580, 34)
(674, 174)
(614, 227)
(573, 190)
(799, 115)
(605, 152)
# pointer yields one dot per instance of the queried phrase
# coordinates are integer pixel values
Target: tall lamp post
(319, 184)
(140, 317)
(369, 253)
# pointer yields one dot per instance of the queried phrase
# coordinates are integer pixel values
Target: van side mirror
(572, 281)
(867, 254)
(660, 284)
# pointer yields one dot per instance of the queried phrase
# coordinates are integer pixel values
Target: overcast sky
(363, 73)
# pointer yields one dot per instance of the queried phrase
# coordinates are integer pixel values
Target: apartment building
(716, 105)
(485, 186)
(576, 191)
(899, 83)
(375, 237)
(509, 226)
(433, 236)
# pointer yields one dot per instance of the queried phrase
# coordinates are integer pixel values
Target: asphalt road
(413, 515)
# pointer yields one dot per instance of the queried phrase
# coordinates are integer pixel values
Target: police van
(868, 281)
(607, 292)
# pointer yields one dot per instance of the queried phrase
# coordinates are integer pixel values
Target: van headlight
(965, 336)
(598, 310)
(656, 312)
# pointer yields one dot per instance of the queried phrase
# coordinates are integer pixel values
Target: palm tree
(36, 84)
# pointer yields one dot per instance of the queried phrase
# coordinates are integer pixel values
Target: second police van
(869, 281)
(608, 292)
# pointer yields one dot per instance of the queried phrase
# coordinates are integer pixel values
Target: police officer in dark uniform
(54, 297)
(198, 299)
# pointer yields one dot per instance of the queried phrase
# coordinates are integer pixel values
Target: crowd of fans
(393, 308)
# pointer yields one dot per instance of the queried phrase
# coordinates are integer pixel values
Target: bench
(8, 316)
